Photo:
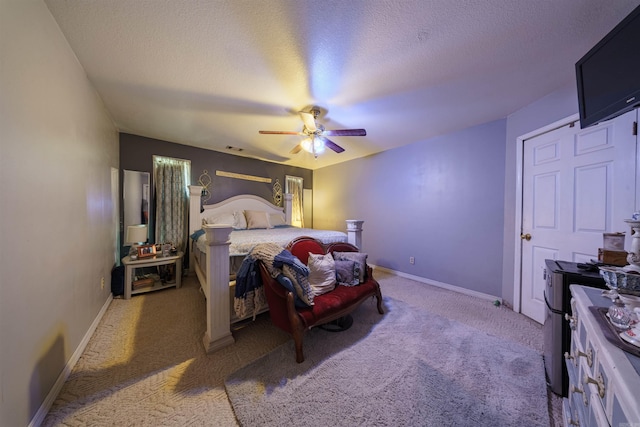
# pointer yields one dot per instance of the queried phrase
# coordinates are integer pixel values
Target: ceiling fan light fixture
(316, 136)
(314, 146)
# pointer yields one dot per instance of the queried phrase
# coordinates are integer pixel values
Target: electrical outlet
(412, 260)
(102, 283)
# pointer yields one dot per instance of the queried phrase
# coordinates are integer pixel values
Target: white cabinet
(604, 381)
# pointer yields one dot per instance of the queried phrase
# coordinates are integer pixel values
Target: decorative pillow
(322, 273)
(257, 219)
(359, 257)
(240, 222)
(277, 220)
(235, 220)
(223, 218)
(347, 273)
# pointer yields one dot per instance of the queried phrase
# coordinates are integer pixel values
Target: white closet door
(577, 184)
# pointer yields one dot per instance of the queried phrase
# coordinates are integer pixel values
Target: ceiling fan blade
(309, 121)
(332, 145)
(296, 149)
(278, 132)
(345, 132)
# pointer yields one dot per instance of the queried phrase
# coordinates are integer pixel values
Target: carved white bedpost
(354, 232)
(195, 192)
(288, 203)
(218, 333)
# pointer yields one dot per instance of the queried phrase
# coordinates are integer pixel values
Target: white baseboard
(38, 418)
(440, 284)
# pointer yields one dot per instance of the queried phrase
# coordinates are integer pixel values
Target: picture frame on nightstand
(146, 251)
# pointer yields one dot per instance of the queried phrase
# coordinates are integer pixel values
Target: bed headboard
(230, 205)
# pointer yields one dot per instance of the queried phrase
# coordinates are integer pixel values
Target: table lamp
(136, 236)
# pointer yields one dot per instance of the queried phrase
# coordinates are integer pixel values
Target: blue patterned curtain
(171, 178)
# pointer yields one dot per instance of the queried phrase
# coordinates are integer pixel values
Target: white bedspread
(243, 240)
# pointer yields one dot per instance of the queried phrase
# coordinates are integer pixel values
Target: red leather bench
(327, 307)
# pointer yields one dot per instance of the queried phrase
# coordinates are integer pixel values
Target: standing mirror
(135, 192)
(293, 185)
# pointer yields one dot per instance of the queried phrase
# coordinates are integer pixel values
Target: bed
(220, 241)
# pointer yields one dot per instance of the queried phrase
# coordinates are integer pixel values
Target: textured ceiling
(212, 73)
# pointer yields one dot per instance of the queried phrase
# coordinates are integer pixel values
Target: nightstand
(150, 284)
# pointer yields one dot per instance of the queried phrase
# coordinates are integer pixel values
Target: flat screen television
(608, 76)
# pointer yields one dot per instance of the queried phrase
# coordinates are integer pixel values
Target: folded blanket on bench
(249, 297)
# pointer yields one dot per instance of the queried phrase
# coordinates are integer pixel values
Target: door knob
(526, 237)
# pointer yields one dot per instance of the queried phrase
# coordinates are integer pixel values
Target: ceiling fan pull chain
(313, 146)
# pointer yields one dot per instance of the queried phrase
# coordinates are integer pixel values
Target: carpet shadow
(320, 345)
(212, 369)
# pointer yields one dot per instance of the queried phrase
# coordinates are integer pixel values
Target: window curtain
(293, 185)
(171, 178)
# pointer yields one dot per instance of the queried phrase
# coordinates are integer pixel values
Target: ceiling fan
(316, 135)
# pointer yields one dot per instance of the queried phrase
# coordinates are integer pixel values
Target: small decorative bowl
(623, 282)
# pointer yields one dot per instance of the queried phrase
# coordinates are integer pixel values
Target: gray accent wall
(440, 201)
(136, 153)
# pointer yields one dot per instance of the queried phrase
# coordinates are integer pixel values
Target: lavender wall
(440, 201)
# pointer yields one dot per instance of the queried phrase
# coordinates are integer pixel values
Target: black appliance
(608, 76)
(557, 335)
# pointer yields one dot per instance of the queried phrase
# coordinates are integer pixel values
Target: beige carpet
(146, 364)
(408, 367)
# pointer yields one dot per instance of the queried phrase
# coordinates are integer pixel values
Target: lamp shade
(136, 234)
